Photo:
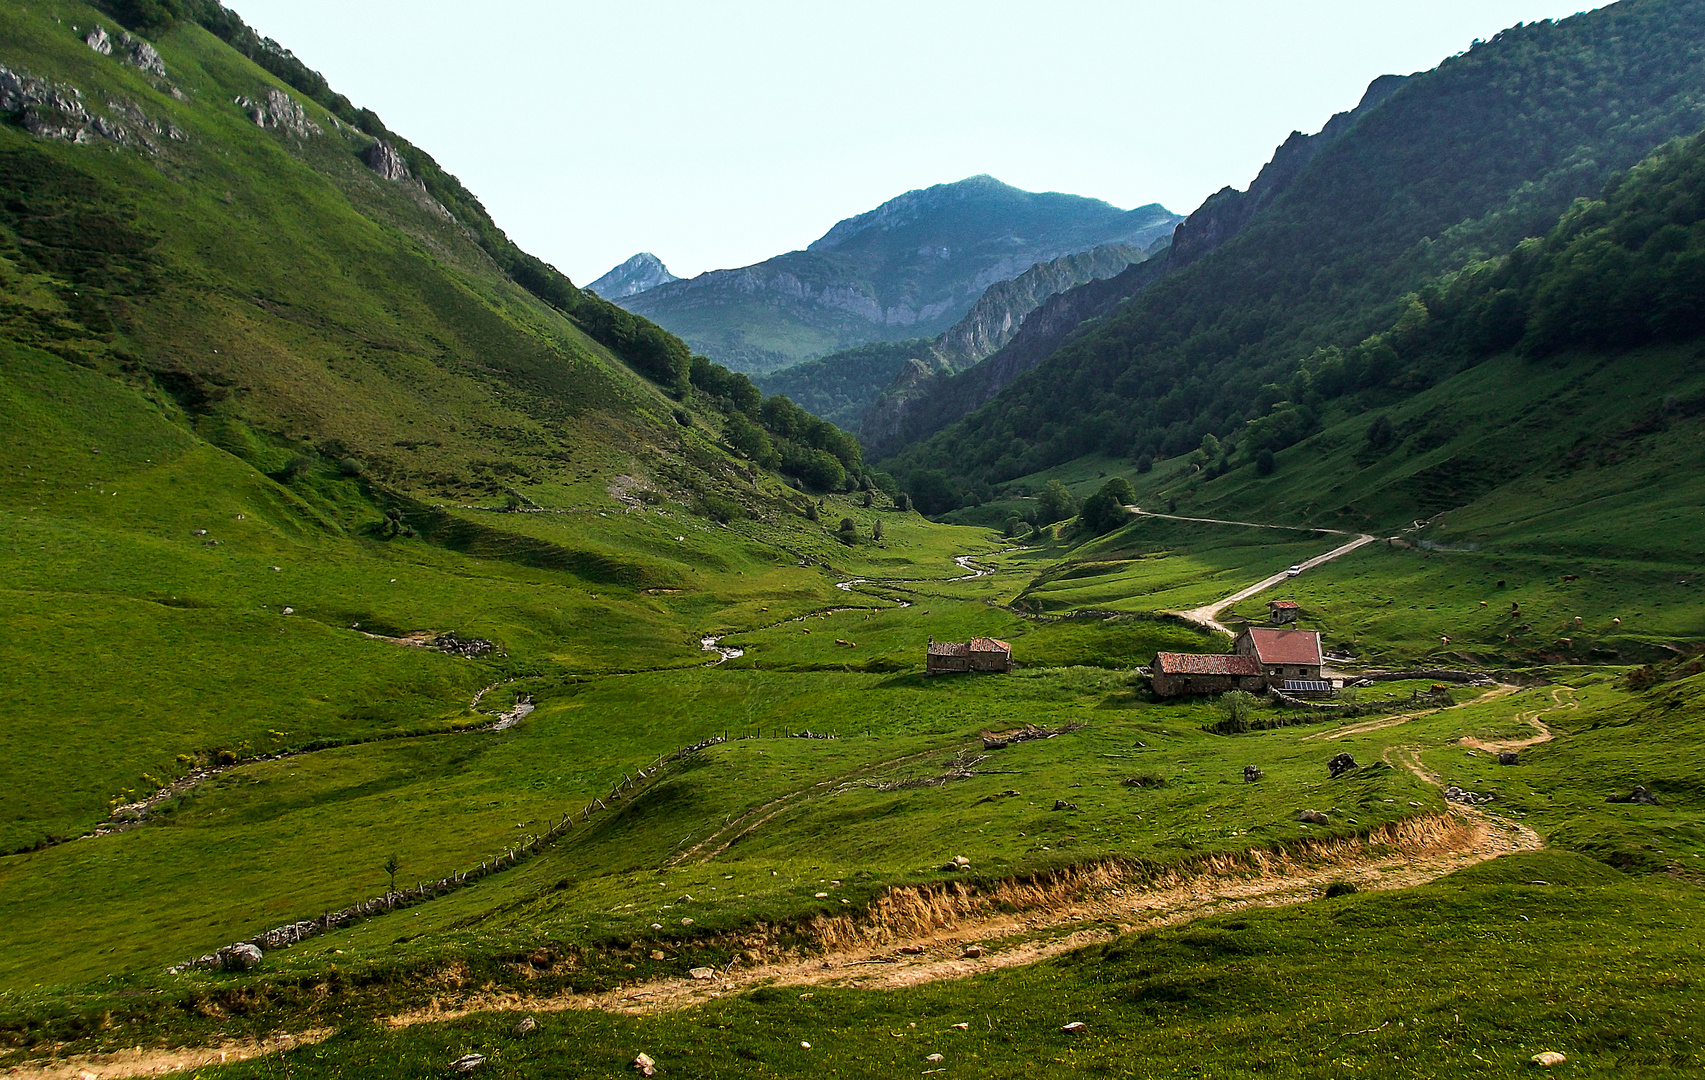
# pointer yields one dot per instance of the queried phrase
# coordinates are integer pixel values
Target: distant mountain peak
(642, 273)
(914, 206)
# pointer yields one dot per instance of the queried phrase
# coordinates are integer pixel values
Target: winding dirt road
(1209, 616)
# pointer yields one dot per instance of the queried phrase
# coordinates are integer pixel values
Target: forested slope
(1458, 163)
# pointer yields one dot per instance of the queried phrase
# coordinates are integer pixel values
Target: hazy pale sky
(717, 133)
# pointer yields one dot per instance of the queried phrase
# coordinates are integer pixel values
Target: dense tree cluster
(777, 434)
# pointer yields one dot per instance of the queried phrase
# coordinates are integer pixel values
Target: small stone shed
(979, 654)
(1280, 612)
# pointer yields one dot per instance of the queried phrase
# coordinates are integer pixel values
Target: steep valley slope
(1449, 166)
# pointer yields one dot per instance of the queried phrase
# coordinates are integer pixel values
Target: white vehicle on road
(1294, 571)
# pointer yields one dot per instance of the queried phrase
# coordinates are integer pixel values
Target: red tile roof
(1286, 646)
(989, 644)
(1216, 664)
(1285, 605)
(949, 648)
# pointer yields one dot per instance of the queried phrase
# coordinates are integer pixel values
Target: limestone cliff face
(642, 273)
(912, 267)
(995, 318)
(998, 317)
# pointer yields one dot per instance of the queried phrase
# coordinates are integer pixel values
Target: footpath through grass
(1472, 975)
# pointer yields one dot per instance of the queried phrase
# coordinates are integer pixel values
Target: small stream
(723, 652)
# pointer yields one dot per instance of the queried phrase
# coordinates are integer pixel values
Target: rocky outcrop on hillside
(129, 48)
(280, 112)
(886, 421)
(50, 110)
(383, 159)
(1049, 301)
(1003, 307)
(642, 273)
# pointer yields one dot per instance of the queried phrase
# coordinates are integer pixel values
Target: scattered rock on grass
(1548, 1058)
(702, 974)
(973, 952)
(1076, 1027)
(1638, 795)
(1509, 757)
(1467, 798)
(1061, 804)
(1251, 774)
(1340, 765)
(1313, 817)
(644, 1065)
(934, 1057)
(468, 1062)
(527, 1026)
(238, 957)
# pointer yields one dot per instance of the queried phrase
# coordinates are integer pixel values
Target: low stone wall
(237, 955)
(1450, 675)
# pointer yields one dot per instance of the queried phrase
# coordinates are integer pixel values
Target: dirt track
(912, 938)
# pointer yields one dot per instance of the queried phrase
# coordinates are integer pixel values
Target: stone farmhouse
(978, 654)
(1263, 657)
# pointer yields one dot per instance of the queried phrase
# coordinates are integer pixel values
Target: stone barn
(1280, 612)
(979, 654)
(946, 657)
(989, 654)
(1178, 674)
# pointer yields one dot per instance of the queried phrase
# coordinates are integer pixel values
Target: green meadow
(315, 426)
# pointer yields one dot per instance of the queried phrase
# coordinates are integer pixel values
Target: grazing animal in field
(1616, 622)
(1482, 603)
(1571, 577)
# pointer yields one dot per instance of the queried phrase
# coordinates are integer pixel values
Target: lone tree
(1236, 707)
(811, 511)
(391, 868)
(849, 528)
(1265, 462)
(1380, 432)
(869, 499)
(1057, 504)
(903, 502)
(876, 531)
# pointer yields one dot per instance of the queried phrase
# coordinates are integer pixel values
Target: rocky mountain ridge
(845, 386)
(642, 273)
(999, 317)
(912, 267)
